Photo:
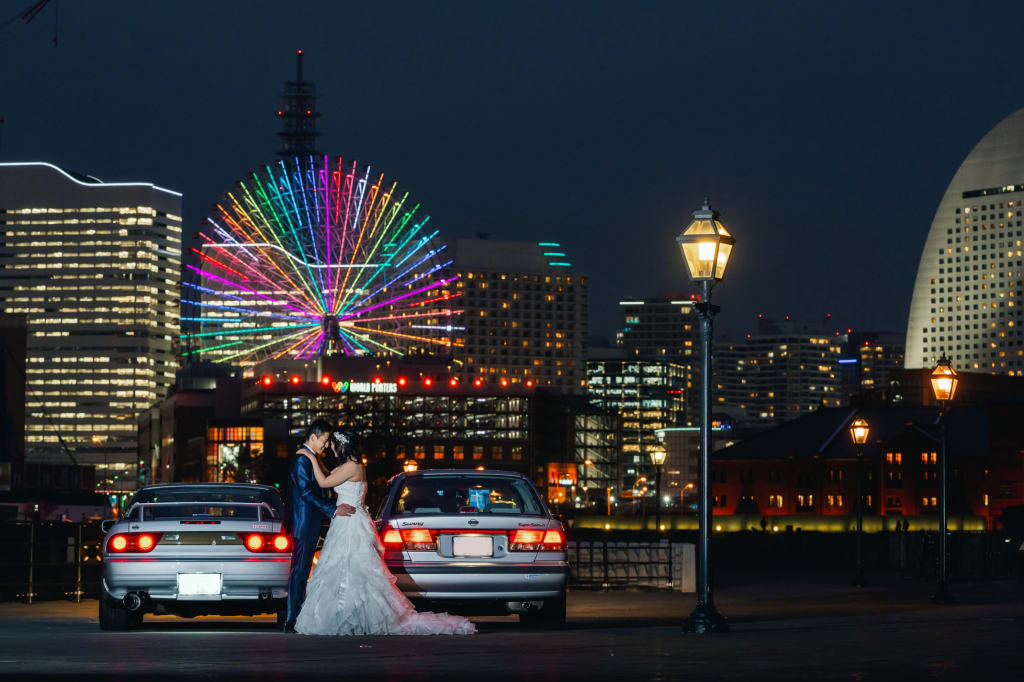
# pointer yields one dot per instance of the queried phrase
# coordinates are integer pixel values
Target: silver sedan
(475, 542)
(195, 549)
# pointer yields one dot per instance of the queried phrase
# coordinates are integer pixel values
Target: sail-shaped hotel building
(967, 301)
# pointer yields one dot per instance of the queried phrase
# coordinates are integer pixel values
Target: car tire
(113, 616)
(550, 617)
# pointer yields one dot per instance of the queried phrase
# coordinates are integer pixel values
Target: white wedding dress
(352, 592)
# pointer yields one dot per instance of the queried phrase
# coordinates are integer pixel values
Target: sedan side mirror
(105, 526)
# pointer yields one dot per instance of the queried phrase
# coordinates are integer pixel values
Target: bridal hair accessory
(342, 438)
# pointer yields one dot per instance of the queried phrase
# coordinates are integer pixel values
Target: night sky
(824, 132)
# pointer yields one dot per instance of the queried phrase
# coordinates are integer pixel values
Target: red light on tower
(478, 382)
(453, 382)
(266, 381)
(428, 381)
(402, 381)
(295, 380)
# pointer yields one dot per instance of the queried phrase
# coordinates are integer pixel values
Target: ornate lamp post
(658, 455)
(859, 433)
(706, 246)
(944, 382)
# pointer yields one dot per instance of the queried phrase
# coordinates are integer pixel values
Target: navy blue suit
(303, 518)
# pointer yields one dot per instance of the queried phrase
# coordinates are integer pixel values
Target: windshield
(466, 495)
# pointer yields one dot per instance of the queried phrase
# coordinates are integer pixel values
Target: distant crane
(31, 12)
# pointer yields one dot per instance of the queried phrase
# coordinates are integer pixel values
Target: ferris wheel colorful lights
(318, 258)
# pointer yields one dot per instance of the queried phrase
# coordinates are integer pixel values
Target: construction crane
(31, 12)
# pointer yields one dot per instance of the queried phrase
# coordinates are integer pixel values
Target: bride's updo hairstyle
(346, 447)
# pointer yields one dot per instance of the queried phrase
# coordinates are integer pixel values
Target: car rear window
(163, 512)
(223, 494)
(466, 495)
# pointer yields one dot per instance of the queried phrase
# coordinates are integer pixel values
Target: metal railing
(611, 565)
(49, 560)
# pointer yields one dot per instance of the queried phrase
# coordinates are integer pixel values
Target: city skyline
(792, 181)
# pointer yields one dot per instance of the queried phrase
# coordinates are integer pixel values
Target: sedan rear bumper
(241, 579)
(481, 580)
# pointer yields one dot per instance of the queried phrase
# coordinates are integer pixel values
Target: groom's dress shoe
(289, 627)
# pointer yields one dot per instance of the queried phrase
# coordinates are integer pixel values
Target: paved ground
(783, 628)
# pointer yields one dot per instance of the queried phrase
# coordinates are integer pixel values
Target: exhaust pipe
(132, 601)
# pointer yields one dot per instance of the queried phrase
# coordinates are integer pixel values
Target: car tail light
(554, 540)
(526, 540)
(266, 542)
(393, 539)
(420, 539)
(133, 542)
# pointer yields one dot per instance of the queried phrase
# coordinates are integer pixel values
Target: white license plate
(472, 545)
(199, 584)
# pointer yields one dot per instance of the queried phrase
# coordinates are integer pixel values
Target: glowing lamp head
(402, 382)
(504, 382)
(377, 380)
(478, 382)
(944, 380)
(859, 431)
(325, 380)
(658, 455)
(453, 382)
(529, 383)
(267, 381)
(428, 381)
(706, 246)
(295, 380)
(411, 465)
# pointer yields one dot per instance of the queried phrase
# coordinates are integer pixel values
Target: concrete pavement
(783, 628)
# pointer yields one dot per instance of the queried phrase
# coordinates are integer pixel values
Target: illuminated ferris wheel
(317, 258)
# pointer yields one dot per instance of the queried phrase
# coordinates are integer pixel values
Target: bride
(351, 591)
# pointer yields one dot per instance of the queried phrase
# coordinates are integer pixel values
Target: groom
(303, 516)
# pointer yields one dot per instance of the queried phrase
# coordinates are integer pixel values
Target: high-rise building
(660, 329)
(867, 358)
(298, 113)
(648, 394)
(967, 296)
(95, 268)
(785, 370)
(524, 313)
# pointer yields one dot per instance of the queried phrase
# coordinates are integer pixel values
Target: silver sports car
(475, 542)
(194, 549)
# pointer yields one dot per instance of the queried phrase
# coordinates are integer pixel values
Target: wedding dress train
(352, 592)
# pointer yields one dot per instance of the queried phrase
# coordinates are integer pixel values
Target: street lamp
(410, 465)
(944, 382)
(859, 433)
(658, 455)
(705, 245)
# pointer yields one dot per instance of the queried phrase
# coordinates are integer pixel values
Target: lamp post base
(942, 595)
(705, 620)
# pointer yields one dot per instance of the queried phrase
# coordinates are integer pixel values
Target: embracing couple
(351, 592)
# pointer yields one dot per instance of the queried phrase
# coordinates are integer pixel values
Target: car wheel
(113, 616)
(551, 615)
